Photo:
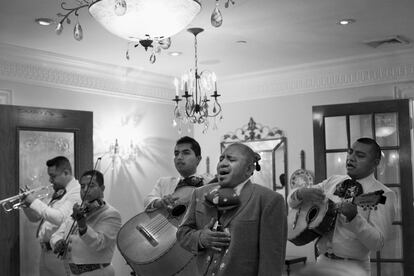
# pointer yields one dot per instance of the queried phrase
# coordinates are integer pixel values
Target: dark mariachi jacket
(258, 229)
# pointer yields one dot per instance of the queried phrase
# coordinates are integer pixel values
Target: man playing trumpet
(52, 214)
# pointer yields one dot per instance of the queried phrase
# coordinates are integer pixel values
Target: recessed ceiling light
(346, 21)
(175, 54)
(44, 21)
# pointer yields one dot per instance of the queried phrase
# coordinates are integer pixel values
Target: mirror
(271, 144)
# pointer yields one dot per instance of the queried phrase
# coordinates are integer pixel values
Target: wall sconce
(122, 152)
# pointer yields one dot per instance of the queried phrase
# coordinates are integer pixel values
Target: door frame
(13, 119)
(404, 109)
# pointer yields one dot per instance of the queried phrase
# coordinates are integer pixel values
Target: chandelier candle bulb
(176, 86)
(214, 77)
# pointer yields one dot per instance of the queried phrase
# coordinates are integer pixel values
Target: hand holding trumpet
(24, 199)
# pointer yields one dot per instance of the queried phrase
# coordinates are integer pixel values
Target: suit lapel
(245, 196)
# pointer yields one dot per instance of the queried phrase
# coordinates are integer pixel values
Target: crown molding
(51, 70)
(57, 71)
(316, 77)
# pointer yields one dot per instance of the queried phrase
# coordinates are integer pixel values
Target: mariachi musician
(187, 156)
(86, 240)
(356, 232)
(53, 214)
(170, 192)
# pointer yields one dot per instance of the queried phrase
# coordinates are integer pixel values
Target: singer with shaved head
(234, 226)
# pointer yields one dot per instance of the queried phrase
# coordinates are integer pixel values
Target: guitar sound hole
(313, 212)
(178, 210)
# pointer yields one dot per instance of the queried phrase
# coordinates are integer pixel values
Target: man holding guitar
(356, 231)
(174, 193)
(187, 156)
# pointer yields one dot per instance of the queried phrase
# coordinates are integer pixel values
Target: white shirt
(166, 186)
(366, 232)
(240, 186)
(97, 245)
(56, 213)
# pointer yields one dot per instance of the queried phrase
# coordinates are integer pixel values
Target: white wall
(147, 123)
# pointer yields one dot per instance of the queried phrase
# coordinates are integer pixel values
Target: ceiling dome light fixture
(149, 23)
(345, 22)
(44, 21)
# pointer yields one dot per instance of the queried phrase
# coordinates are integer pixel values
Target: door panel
(14, 120)
(389, 123)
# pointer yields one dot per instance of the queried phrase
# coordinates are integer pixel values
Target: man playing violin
(53, 214)
(88, 244)
(356, 232)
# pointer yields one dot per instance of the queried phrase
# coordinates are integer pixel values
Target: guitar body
(313, 219)
(148, 241)
(310, 221)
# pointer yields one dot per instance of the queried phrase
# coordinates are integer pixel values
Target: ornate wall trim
(335, 74)
(52, 70)
(27, 66)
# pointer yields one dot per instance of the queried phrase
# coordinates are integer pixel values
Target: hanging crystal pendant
(77, 32)
(120, 7)
(59, 29)
(152, 58)
(216, 17)
(165, 43)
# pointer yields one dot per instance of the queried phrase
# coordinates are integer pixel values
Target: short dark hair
(98, 175)
(60, 162)
(376, 149)
(195, 146)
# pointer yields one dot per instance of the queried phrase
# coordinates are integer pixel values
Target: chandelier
(197, 108)
(146, 23)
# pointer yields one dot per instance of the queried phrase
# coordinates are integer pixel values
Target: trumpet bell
(15, 202)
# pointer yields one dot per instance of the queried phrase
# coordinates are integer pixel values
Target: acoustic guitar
(148, 241)
(313, 219)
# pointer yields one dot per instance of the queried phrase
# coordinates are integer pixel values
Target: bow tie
(223, 198)
(348, 189)
(192, 181)
(58, 194)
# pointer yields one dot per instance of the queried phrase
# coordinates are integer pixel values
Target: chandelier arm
(189, 109)
(71, 10)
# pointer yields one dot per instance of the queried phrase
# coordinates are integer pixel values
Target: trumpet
(15, 202)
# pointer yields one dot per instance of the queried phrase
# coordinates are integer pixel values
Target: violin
(81, 211)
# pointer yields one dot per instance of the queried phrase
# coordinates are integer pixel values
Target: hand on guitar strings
(60, 247)
(310, 194)
(167, 202)
(216, 240)
(349, 210)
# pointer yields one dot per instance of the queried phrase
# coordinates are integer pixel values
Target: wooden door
(336, 127)
(15, 120)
